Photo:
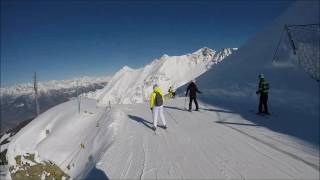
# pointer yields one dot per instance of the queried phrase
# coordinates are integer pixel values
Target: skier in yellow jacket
(156, 106)
(170, 91)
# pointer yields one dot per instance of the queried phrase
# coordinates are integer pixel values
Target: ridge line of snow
(129, 86)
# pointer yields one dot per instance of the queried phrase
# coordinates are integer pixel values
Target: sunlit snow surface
(225, 140)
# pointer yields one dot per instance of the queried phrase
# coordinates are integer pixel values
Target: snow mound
(129, 86)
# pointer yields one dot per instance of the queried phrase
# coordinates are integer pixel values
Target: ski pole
(185, 100)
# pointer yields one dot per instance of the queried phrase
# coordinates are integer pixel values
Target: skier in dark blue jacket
(193, 90)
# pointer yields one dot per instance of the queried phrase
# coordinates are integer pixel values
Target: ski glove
(151, 109)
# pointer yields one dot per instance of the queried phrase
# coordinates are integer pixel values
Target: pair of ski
(193, 110)
(160, 126)
(262, 114)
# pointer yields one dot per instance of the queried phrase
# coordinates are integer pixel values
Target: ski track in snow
(315, 166)
(144, 160)
(226, 170)
(194, 147)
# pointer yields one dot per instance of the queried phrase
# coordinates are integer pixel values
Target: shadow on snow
(96, 174)
(206, 109)
(176, 108)
(284, 120)
(233, 123)
(140, 120)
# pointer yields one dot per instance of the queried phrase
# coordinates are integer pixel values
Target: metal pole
(291, 40)
(276, 52)
(78, 97)
(35, 87)
(303, 25)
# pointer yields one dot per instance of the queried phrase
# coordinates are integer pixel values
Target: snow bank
(72, 141)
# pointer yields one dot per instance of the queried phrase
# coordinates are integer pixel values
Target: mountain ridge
(129, 86)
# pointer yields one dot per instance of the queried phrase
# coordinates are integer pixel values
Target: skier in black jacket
(193, 90)
(263, 91)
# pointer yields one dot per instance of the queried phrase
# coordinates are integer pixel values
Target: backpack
(158, 100)
(264, 87)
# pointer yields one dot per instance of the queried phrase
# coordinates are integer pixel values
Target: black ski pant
(263, 103)
(195, 101)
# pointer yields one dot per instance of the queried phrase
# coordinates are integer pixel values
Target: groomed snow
(214, 143)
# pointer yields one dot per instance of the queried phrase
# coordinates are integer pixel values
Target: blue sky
(62, 40)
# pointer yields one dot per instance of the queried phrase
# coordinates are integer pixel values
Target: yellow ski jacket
(153, 96)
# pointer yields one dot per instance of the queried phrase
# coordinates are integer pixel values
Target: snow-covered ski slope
(214, 143)
(129, 86)
(225, 140)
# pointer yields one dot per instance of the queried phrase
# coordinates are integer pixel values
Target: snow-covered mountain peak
(205, 51)
(164, 56)
(126, 68)
(129, 86)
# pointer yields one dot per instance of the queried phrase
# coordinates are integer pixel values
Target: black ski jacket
(192, 88)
